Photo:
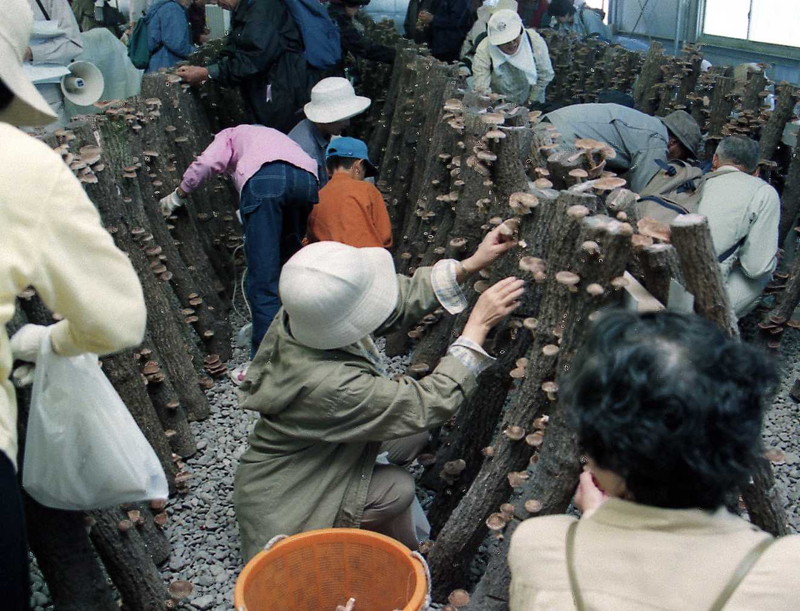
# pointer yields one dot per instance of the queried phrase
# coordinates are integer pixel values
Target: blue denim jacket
(168, 34)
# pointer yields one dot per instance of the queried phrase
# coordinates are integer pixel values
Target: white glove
(25, 342)
(23, 375)
(170, 203)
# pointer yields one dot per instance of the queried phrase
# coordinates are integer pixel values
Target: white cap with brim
(28, 106)
(504, 26)
(334, 99)
(337, 294)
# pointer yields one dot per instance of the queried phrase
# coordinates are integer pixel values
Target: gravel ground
(202, 525)
(782, 429)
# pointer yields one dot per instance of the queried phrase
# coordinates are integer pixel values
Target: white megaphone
(84, 84)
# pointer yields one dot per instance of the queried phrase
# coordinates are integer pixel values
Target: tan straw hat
(28, 106)
(504, 26)
(684, 128)
(336, 294)
(334, 99)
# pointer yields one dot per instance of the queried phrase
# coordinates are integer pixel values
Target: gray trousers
(391, 492)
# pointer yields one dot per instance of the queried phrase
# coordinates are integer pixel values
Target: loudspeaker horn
(84, 84)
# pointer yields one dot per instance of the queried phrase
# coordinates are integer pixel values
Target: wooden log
(153, 535)
(721, 105)
(206, 230)
(659, 263)
(161, 324)
(127, 560)
(65, 556)
(790, 298)
(698, 260)
(556, 467)
(765, 502)
(790, 200)
(752, 98)
(123, 373)
(166, 403)
(464, 530)
(649, 76)
(785, 100)
(475, 422)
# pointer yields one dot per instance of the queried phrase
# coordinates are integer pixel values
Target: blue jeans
(274, 204)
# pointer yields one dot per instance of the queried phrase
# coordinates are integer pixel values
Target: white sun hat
(28, 106)
(336, 294)
(334, 99)
(504, 26)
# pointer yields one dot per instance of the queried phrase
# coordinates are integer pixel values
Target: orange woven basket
(320, 569)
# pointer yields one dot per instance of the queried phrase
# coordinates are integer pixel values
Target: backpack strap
(670, 170)
(728, 253)
(577, 597)
(677, 208)
(741, 572)
(44, 12)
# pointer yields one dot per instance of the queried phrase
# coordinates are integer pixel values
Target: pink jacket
(239, 152)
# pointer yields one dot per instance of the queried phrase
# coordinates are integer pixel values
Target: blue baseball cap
(352, 148)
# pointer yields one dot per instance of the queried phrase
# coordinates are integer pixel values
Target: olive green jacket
(324, 414)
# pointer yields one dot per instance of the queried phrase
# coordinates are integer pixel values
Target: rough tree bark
(128, 561)
(692, 240)
(786, 98)
(459, 538)
(556, 467)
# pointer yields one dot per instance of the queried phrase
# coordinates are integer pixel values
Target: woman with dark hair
(583, 20)
(668, 411)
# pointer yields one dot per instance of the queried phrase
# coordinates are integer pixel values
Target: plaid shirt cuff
(471, 355)
(446, 288)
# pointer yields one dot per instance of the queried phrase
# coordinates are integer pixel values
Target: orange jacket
(352, 212)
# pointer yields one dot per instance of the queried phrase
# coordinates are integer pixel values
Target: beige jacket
(633, 557)
(509, 81)
(52, 240)
(740, 206)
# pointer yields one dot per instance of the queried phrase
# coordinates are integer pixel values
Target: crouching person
(668, 411)
(326, 402)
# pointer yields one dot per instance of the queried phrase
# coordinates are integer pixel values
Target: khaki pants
(391, 492)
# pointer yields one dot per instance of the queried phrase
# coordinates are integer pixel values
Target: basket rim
(329, 534)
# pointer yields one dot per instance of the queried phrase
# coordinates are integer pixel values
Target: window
(768, 21)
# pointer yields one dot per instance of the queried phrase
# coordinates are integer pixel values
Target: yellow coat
(52, 239)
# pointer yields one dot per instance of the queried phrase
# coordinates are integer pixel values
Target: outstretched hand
(493, 246)
(193, 75)
(494, 304)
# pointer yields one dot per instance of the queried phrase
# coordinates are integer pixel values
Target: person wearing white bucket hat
(327, 406)
(60, 46)
(52, 240)
(333, 103)
(512, 61)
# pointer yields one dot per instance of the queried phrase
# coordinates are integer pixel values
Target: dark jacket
(263, 55)
(451, 21)
(354, 42)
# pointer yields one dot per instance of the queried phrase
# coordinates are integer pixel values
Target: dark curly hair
(561, 8)
(670, 404)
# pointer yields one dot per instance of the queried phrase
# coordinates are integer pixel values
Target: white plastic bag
(83, 449)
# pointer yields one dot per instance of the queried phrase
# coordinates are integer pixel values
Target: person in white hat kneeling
(512, 61)
(333, 103)
(326, 402)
